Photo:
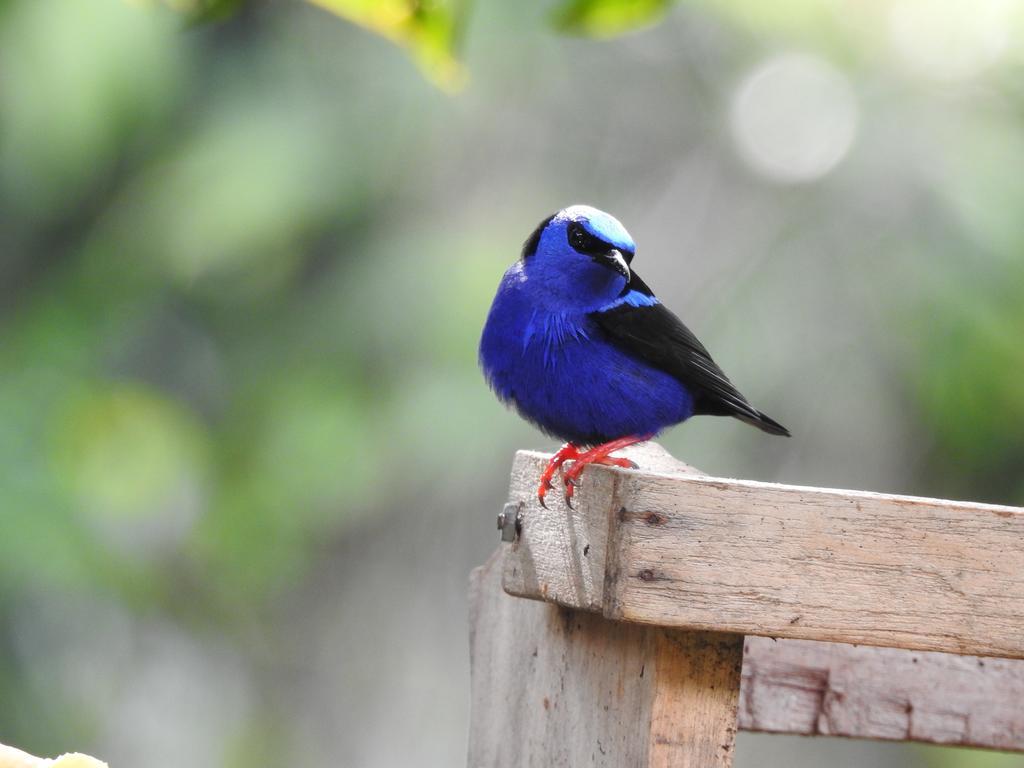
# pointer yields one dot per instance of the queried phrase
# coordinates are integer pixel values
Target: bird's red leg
(599, 455)
(566, 452)
(616, 461)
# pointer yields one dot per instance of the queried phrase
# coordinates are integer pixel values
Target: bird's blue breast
(561, 373)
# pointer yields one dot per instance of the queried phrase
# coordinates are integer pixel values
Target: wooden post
(696, 697)
(629, 651)
(557, 687)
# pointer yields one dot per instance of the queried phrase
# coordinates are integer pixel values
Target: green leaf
(427, 29)
(213, 10)
(608, 18)
(198, 11)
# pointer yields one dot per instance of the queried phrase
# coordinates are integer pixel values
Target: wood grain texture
(781, 561)
(696, 696)
(560, 554)
(827, 689)
(559, 687)
(788, 686)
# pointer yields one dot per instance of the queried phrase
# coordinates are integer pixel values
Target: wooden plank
(788, 686)
(560, 556)
(827, 689)
(558, 687)
(696, 697)
(773, 560)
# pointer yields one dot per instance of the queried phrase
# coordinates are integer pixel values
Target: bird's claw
(565, 453)
(545, 486)
(571, 476)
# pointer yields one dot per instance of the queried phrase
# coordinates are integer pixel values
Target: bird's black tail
(762, 422)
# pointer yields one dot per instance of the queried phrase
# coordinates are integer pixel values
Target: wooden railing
(682, 608)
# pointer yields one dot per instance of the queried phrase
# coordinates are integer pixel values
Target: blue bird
(583, 349)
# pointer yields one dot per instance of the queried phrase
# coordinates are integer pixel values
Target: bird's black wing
(657, 336)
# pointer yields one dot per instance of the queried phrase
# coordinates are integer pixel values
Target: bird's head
(578, 258)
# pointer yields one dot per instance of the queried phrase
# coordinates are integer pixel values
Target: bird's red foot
(564, 454)
(599, 455)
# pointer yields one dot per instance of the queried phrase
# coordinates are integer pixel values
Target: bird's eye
(577, 237)
(583, 241)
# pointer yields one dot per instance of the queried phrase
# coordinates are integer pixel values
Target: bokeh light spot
(794, 118)
(950, 41)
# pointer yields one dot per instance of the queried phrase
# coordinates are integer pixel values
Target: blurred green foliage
(606, 18)
(946, 757)
(428, 29)
(240, 305)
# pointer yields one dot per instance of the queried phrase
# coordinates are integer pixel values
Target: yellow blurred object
(428, 31)
(15, 758)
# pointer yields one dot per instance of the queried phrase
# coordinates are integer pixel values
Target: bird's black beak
(613, 259)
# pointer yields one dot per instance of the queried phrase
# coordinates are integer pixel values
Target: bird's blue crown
(577, 260)
(601, 226)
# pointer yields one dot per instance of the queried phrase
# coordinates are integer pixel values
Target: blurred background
(246, 250)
